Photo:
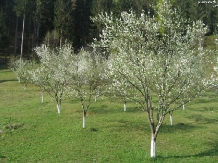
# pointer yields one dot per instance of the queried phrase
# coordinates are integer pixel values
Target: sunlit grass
(32, 131)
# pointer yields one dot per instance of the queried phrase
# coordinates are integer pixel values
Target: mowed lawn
(33, 132)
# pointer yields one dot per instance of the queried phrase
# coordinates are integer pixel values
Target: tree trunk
(124, 106)
(29, 35)
(6, 53)
(42, 96)
(25, 85)
(171, 119)
(59, 108)
(61, 38)
(183, 105)
(48, 39)
(37, 34)
(15, 46)
(21, 48)
(153, 145)
(84, 118)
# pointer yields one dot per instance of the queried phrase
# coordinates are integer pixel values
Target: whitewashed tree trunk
(84, 118)
(59, 108)
(61, 38)
(24, 87)
(183, 105)
(153, 146)
(124, 106)
(171, 119)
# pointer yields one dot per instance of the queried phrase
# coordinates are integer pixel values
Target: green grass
(34, 132)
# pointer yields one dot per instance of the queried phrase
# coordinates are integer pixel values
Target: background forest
(25, 24)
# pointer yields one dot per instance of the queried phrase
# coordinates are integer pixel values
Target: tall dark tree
(3, 29)
(199, 10)
(7, 22)
(99, 6)
(63, 19)
(82, 23)
(44, 18)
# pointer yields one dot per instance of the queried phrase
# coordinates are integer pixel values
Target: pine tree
(63, 20)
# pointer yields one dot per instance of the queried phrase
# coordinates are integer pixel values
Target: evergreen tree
(44, 17)
(3, 30)
(194, 10)
(82, 23)
(63, 20)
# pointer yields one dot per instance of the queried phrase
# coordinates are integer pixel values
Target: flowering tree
(120, 88)
(21, 68)
(159, 57)
(88, 79)
(52, 75)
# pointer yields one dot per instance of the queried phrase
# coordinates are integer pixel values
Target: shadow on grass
(103, 109)
(2, 81)
(206, 109)
(199, 118)
(132, 125)
(127, 125)
(211, 152)
(207, 100)
(109, 109)
(187, 127)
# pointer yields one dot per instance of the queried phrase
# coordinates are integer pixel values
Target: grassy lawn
(32, 131)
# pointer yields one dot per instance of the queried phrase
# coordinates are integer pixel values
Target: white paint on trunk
(59, 108)
(171, 119)
(95, 98)
(153, 147)
(124, 107)
(183, 105)
(84, 120)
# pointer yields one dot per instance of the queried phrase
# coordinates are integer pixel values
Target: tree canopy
(159, 56)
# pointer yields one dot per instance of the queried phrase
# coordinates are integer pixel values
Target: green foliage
(209, 42)
(207, 12)
(63, 18)
(45, 15)
(52, 39)
(3, 31)
(82, 23)
(20, 7)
